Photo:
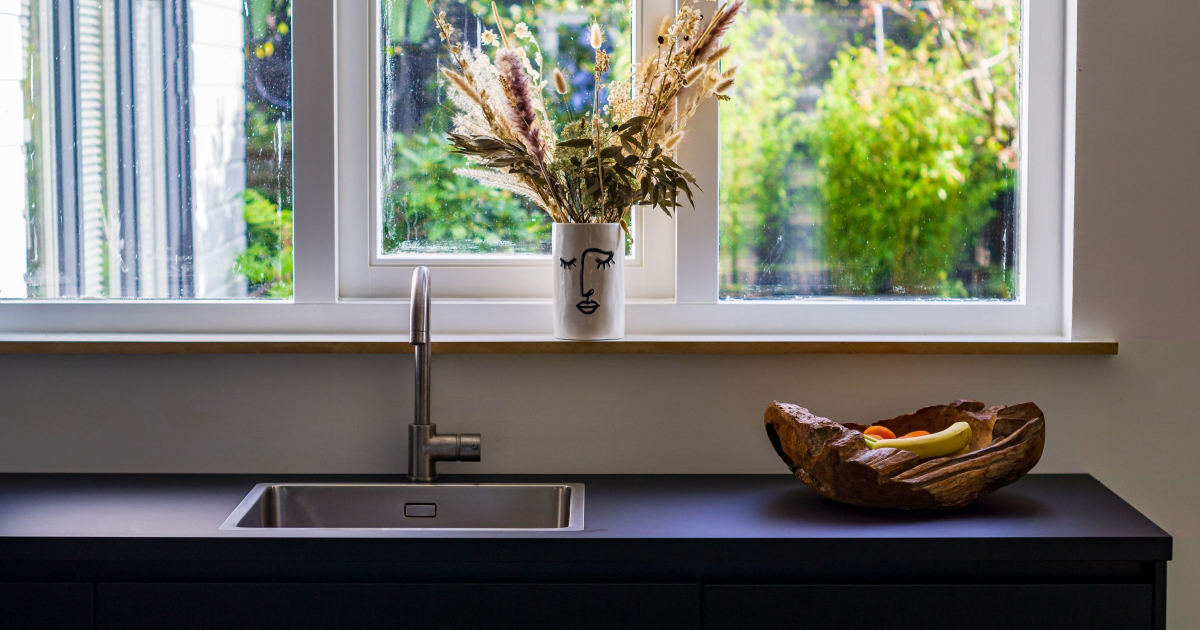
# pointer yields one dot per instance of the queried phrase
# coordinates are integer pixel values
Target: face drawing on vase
(589, 263)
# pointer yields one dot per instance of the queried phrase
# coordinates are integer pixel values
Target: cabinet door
(397, 606)
(46, 606)
(929, 606)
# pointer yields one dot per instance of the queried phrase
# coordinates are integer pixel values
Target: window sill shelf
(545, 344)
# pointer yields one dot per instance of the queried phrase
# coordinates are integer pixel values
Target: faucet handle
(469, 445)
(418, 308)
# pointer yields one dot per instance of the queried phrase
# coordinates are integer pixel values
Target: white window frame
(340, 290)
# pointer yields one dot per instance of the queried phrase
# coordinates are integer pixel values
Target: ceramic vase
(589, 281)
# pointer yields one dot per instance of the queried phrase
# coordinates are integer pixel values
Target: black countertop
(628, 518)
(648, 528)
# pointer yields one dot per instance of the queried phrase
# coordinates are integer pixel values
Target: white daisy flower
(489, 39)
(522, 31)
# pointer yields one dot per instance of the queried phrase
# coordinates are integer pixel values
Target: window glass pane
(20, 184)
(154, 161)
(266, 263)
(872, 150)
(426, 208)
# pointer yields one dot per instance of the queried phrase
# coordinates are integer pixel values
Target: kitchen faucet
(425, 447)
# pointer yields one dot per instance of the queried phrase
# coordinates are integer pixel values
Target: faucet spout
(425, 446)
(418, 336)
(418, 308)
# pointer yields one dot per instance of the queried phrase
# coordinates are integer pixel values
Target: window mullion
(315, 141)
(697, 262)
(357, 166)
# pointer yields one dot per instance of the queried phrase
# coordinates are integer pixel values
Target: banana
(955, 440)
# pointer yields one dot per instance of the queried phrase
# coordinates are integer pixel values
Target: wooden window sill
(544, 344)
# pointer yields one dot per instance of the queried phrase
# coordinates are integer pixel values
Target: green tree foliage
(897, 180)
(267, 260)
(428, 203)
(915, 149)
(761, 143)
(905, 192)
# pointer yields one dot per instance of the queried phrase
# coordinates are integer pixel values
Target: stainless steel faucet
(425, 447)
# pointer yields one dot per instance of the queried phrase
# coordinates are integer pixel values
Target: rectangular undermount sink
(402, 506)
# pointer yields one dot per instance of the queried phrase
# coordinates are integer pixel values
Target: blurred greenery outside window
(268, 258)
(872, 150)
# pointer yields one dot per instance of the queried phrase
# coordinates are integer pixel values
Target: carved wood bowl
(833, 458)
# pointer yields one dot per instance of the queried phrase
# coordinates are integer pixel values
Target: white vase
(589, 281)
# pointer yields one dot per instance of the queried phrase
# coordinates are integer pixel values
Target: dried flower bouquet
(607, 160)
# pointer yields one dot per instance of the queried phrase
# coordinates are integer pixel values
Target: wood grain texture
(550, 346)
(834, 460)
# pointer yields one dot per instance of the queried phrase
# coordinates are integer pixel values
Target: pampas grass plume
(716, 56)
(462, 84)
(720, 25)
(595, 36)
(673, 141)
(663, 26)
(522, 111)
(560, 82)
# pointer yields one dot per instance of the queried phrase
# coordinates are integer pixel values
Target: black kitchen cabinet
(45, 606)
(284, 606)
(929, 606)
(397, 606)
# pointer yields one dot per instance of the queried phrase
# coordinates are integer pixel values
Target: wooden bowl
(833, 458)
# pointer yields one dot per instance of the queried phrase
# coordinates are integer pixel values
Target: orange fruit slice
(882, 433)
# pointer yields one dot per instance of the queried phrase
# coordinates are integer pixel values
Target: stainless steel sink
(325, 506)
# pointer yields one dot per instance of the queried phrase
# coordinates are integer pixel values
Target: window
(890, 166)
(790, 234)
(809, 224)
(485, 243)
(152, 159)
(425, 207)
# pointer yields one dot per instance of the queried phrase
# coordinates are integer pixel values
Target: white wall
(12, 153)
(1130, 420)
(218, 145)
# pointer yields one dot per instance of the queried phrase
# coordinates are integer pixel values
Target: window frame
(337, 292)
